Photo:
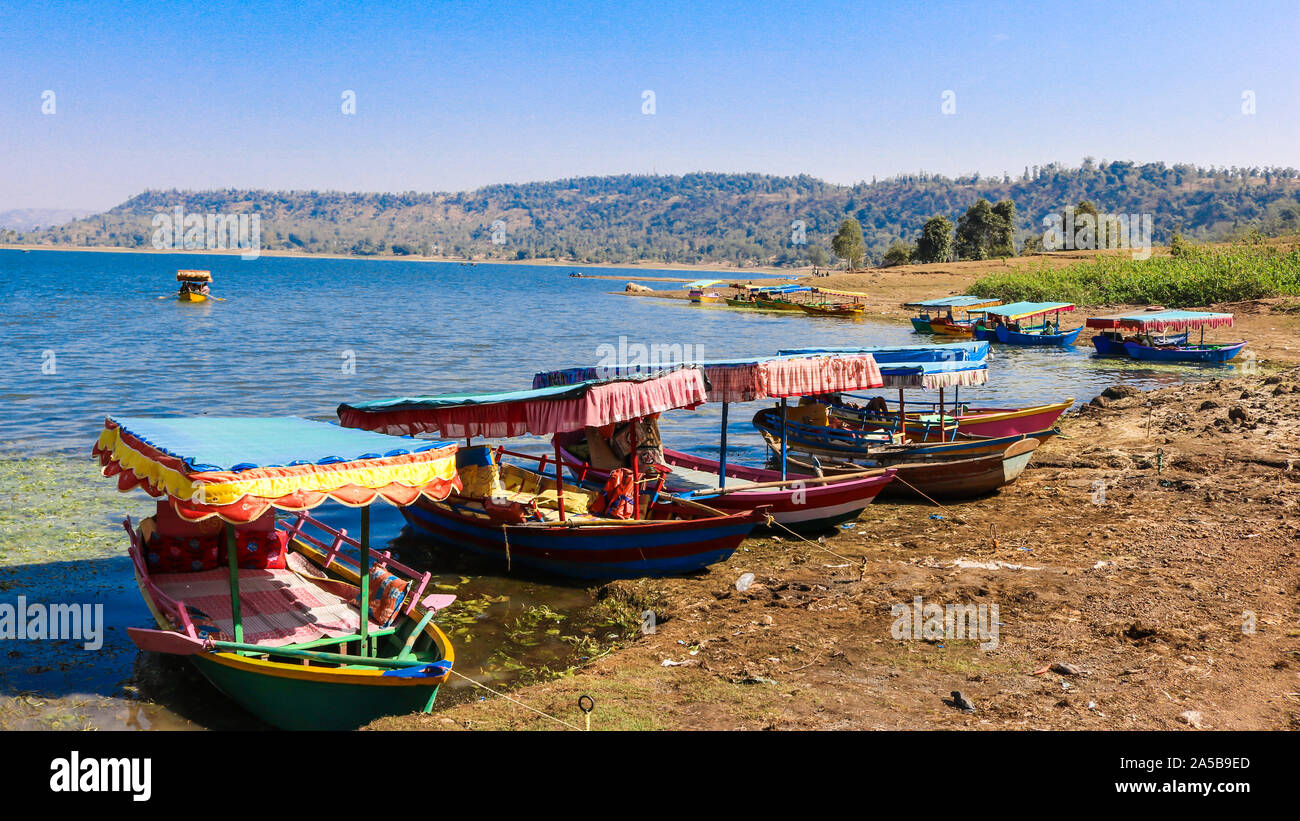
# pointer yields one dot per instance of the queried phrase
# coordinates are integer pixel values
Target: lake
(87, 334)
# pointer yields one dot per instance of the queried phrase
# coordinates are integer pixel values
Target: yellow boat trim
(323, 479)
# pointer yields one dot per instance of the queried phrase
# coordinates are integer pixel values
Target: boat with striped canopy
(1026, 323)
(791, 501)
(300, 624)
(937, 367)
(1161, 335)
(522, 516)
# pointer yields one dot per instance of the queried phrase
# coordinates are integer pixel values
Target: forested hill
(715, 218)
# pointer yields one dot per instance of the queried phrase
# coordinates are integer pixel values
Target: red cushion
(256, 550)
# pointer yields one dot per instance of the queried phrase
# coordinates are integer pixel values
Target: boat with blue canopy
(302, 625)
(941, 312)
(522, 516)
(1161, 335)
(1026, 323)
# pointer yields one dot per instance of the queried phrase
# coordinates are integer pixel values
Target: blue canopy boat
(931, 310)
(1012, 324)
(300, 624)
(523, 516)
(1145, 341)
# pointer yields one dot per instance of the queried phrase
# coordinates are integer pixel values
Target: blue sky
(451, 96)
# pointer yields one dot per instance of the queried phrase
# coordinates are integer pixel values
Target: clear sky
(453, 95)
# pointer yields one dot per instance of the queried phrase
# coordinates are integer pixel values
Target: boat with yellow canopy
(194, 285)
(299, 623)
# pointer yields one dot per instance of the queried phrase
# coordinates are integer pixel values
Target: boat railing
(175, 608)
(332, 542)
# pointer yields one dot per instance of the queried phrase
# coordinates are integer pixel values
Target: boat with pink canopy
(524, 517)
(801, 503)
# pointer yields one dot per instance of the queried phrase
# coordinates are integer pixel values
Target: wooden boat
(525, 518)
(833, 309)
(741, 302)
(938, 477)
(699, 296)
(304, 627)
(1010, 324)
(776, 304)
(791, 501)
(939, 426)
(936, 315)
(947, 326)
(882, 449)
(194, 285)
(1145, 341)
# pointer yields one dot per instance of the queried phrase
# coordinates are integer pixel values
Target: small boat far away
(194, 285)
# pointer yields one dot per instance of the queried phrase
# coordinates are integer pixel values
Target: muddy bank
(1152, 550)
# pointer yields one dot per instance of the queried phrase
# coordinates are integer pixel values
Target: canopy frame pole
(232, 559)
(943, 422)
(783, 438)
(559, 477)
(722, 449)
(902, 417)
(1202, 334)
(364, 569)
(636, 470)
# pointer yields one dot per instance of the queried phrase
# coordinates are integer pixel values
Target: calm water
(86, 334)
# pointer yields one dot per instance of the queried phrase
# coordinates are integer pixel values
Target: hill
(743, 219)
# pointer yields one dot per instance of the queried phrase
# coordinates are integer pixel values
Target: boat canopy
(237, 468)
(835, 292)
(934, 375)
(747, 380)
(1161, 320)
(540, 411)
(702, 283)
(778, 289)
(964, 301)
(193, 276)
(889, 354)
(1024, 310)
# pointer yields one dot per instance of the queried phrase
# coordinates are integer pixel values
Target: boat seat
(277, 607)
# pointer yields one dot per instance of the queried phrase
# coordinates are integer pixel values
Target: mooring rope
(514, 701)
(817, 545)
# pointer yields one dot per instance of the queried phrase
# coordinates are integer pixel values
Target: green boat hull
(922, 326)
(298, 704)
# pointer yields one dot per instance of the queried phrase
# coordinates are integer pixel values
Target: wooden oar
(809, 480)
(179, 644)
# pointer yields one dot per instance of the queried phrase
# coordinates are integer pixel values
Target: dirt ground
(1152, 548)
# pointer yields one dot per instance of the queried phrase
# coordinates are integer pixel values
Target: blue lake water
(86, 334)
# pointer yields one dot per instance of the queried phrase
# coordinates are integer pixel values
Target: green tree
(1002, 235)
(847, 243)
(935, 243)
(974, 230)
(899, 253)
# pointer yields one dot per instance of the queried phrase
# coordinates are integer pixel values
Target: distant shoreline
(544, 261)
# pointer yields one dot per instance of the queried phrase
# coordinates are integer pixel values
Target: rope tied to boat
(818, 545)
(520, 703)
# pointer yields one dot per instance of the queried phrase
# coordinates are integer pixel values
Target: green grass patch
(1198, 277)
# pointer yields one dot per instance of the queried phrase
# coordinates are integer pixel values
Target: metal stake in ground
(586, 704)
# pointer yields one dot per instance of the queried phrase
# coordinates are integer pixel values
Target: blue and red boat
(523, 517)
(1159, 335)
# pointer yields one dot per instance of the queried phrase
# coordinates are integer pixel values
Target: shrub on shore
(1196, 277)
